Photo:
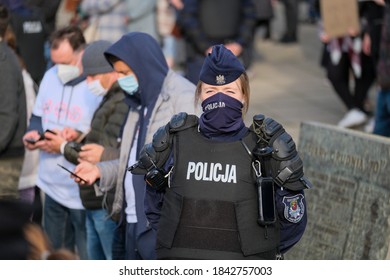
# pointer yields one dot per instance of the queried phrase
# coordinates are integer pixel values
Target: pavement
(287, 82)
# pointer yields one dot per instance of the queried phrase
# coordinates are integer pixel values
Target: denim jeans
(382, 114)
(55, 218)
(100, 234)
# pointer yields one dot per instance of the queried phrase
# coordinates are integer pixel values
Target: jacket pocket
(170, 218)
(254, 239)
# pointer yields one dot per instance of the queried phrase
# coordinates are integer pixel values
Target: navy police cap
(220, 67)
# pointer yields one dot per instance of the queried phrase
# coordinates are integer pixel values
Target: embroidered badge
(294, 209)
(220, 80)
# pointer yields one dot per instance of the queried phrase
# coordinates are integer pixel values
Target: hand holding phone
(73, 174)
(50, 131)
(31, 140)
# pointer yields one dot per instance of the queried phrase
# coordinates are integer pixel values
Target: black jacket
(106, 130)
(13, 115)
(210, 22)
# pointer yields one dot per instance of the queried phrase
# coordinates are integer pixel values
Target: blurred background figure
(66, 13)
(264, 13)
(382, 112)
(12, 114)
(312, 13)
(264, 16)
(49, 9)
(142, 17)
(107, 19)
(40, 248)
(171, 36)
(28, 25)
(28, 192)
(205, 23)
(22, 240)
(14, 215)
(166, 21)
(343, 57)
(291, 13)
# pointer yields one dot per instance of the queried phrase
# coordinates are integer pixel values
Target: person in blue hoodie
(154, 93)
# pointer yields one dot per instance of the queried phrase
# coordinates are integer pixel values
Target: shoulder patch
(294, 209)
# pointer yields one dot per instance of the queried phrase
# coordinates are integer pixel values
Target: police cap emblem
(220, 80)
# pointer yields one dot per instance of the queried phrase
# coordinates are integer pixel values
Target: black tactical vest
(210, 210)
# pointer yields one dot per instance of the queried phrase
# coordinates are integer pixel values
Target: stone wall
(349, 204)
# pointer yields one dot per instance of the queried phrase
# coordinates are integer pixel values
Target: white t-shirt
(131, 215)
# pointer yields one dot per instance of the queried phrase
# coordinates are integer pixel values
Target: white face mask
(67, 72)
(96, 88)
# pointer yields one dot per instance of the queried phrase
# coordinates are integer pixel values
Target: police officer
(207, 192)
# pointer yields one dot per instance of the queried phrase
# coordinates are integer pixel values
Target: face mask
(221, 114)
(129, 84)
(96, 88)
(67, 73)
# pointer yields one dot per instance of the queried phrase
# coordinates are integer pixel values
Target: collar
(76, 81)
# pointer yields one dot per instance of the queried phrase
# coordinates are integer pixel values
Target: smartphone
(72, 173)
(31, 140)
(50, 131)
(266, 196)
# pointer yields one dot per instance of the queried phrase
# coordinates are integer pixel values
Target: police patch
(294, 209)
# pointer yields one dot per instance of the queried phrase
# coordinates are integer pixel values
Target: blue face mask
(129, 84)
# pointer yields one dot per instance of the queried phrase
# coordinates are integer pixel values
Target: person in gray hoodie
(154, 93)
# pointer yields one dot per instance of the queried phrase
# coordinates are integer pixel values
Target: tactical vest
(210, 210)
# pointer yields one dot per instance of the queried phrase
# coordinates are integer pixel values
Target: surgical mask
(129, 84)
(221, 114)
(67, 72)
(96, 88)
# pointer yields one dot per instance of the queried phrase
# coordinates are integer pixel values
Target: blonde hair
(245, 88)
(40, 247)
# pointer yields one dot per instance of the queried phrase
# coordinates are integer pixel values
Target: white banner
(172, 269)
